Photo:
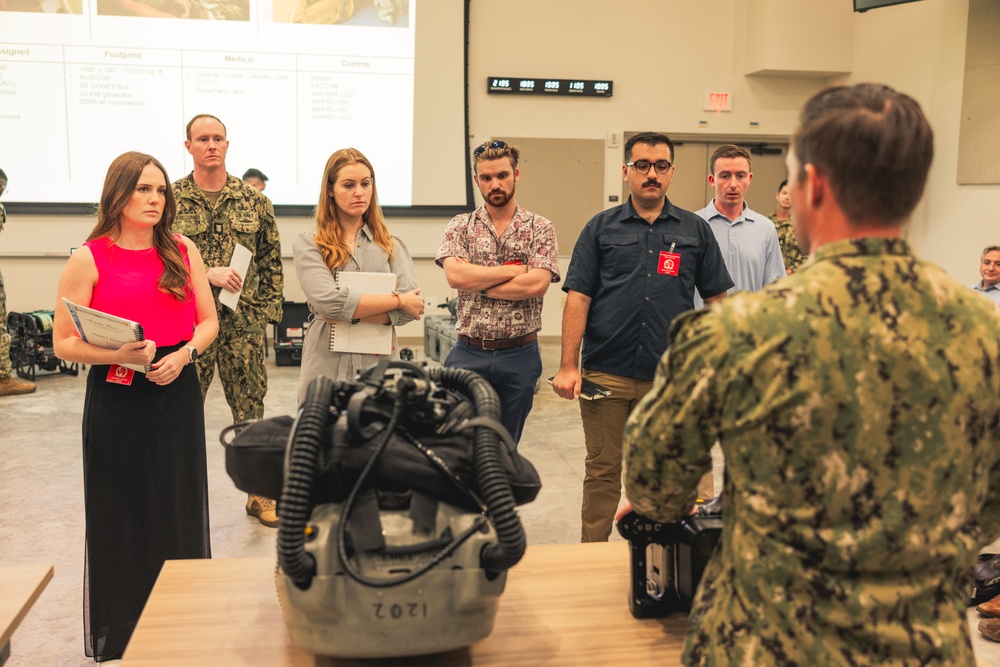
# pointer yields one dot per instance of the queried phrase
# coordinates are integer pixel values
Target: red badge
(669, 264)
(120, 375)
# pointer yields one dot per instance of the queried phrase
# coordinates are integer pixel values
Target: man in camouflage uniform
(782, 219)
(857, 403)
(217, 210)
(9, 385)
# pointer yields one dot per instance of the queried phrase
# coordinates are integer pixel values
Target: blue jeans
(512, 373)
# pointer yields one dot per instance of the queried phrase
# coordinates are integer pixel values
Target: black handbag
(985, 578)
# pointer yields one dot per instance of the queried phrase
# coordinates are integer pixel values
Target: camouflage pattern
(6, 370)
(241, 215)
(857, 403)
(790, 252)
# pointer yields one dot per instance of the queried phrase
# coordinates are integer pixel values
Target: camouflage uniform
(6, 370)
(245, 216)
(789, 244)
(858, 407)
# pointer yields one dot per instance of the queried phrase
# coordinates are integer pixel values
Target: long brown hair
(329, 235)
(119, 186)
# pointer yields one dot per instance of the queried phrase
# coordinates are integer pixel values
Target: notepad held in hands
(105, 330)
(363, 338)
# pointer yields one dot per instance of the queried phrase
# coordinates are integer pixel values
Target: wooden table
(564, 604)
(20, 586)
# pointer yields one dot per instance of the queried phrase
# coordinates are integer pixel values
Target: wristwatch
(192, 353)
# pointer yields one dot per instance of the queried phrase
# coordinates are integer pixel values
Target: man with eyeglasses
(635, 268)
(10, 385)
(501, 259)
(748, 240)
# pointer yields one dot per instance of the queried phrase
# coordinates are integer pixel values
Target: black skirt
(146, 495)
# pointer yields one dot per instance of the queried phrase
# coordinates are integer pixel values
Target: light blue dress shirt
(993, 291)
(749, 246)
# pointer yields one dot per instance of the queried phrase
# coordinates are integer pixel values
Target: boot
(990, 627)
(13, 386)
(264, 509)
(990, 608)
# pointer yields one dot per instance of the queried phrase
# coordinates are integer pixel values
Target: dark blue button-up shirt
(623, 263)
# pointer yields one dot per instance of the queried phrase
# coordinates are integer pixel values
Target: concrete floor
(41, 498)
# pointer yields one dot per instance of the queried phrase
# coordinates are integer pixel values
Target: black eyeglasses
(642, 166)
(496, 143)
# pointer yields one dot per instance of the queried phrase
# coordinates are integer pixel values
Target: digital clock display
(512, 85)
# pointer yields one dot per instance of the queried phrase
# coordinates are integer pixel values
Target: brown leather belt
(498, 343)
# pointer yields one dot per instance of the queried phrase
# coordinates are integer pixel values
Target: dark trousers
(512, 373)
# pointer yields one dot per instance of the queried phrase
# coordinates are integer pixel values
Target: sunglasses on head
(496, 143)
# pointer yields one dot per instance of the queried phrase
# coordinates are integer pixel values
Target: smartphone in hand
(590, 391)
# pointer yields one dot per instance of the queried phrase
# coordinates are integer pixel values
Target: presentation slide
(82, 81)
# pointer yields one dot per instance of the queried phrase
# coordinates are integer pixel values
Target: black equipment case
(290, 334)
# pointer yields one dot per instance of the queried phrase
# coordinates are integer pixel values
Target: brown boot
(264, 509)
(13, 386)
(990, 627)
(990, 607)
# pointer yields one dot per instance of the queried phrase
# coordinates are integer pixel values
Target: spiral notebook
(363, 338)
(105, 330)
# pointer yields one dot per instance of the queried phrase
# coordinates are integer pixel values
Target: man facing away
(792, 256)
(635, 267)
(989, 269)
(501, 259)
(857, 403)
(217, 211)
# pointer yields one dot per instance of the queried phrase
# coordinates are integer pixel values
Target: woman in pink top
(145, 480)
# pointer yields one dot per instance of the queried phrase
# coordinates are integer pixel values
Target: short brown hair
(187, 130)
(875, 146)
(990, 248)
(495, 149)
(731, 151)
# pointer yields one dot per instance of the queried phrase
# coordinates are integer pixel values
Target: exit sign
(718, 102)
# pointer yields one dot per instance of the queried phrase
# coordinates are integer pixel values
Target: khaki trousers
(603, 426)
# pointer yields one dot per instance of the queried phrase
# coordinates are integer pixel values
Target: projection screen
(82, 81)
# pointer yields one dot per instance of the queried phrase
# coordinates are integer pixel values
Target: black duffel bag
(985, 578)
(431, 453)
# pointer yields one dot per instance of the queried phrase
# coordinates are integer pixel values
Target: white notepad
(105, 330)
(363, 338)
(240, 262)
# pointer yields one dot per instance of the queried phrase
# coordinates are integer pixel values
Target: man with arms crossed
(501, 259)
(857, 402)
(634, 268)
(217, 211)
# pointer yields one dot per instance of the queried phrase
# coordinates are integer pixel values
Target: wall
(953, 224)
(662, 57)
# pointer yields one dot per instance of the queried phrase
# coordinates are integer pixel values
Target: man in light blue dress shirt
(989, 269)
(748, 240)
